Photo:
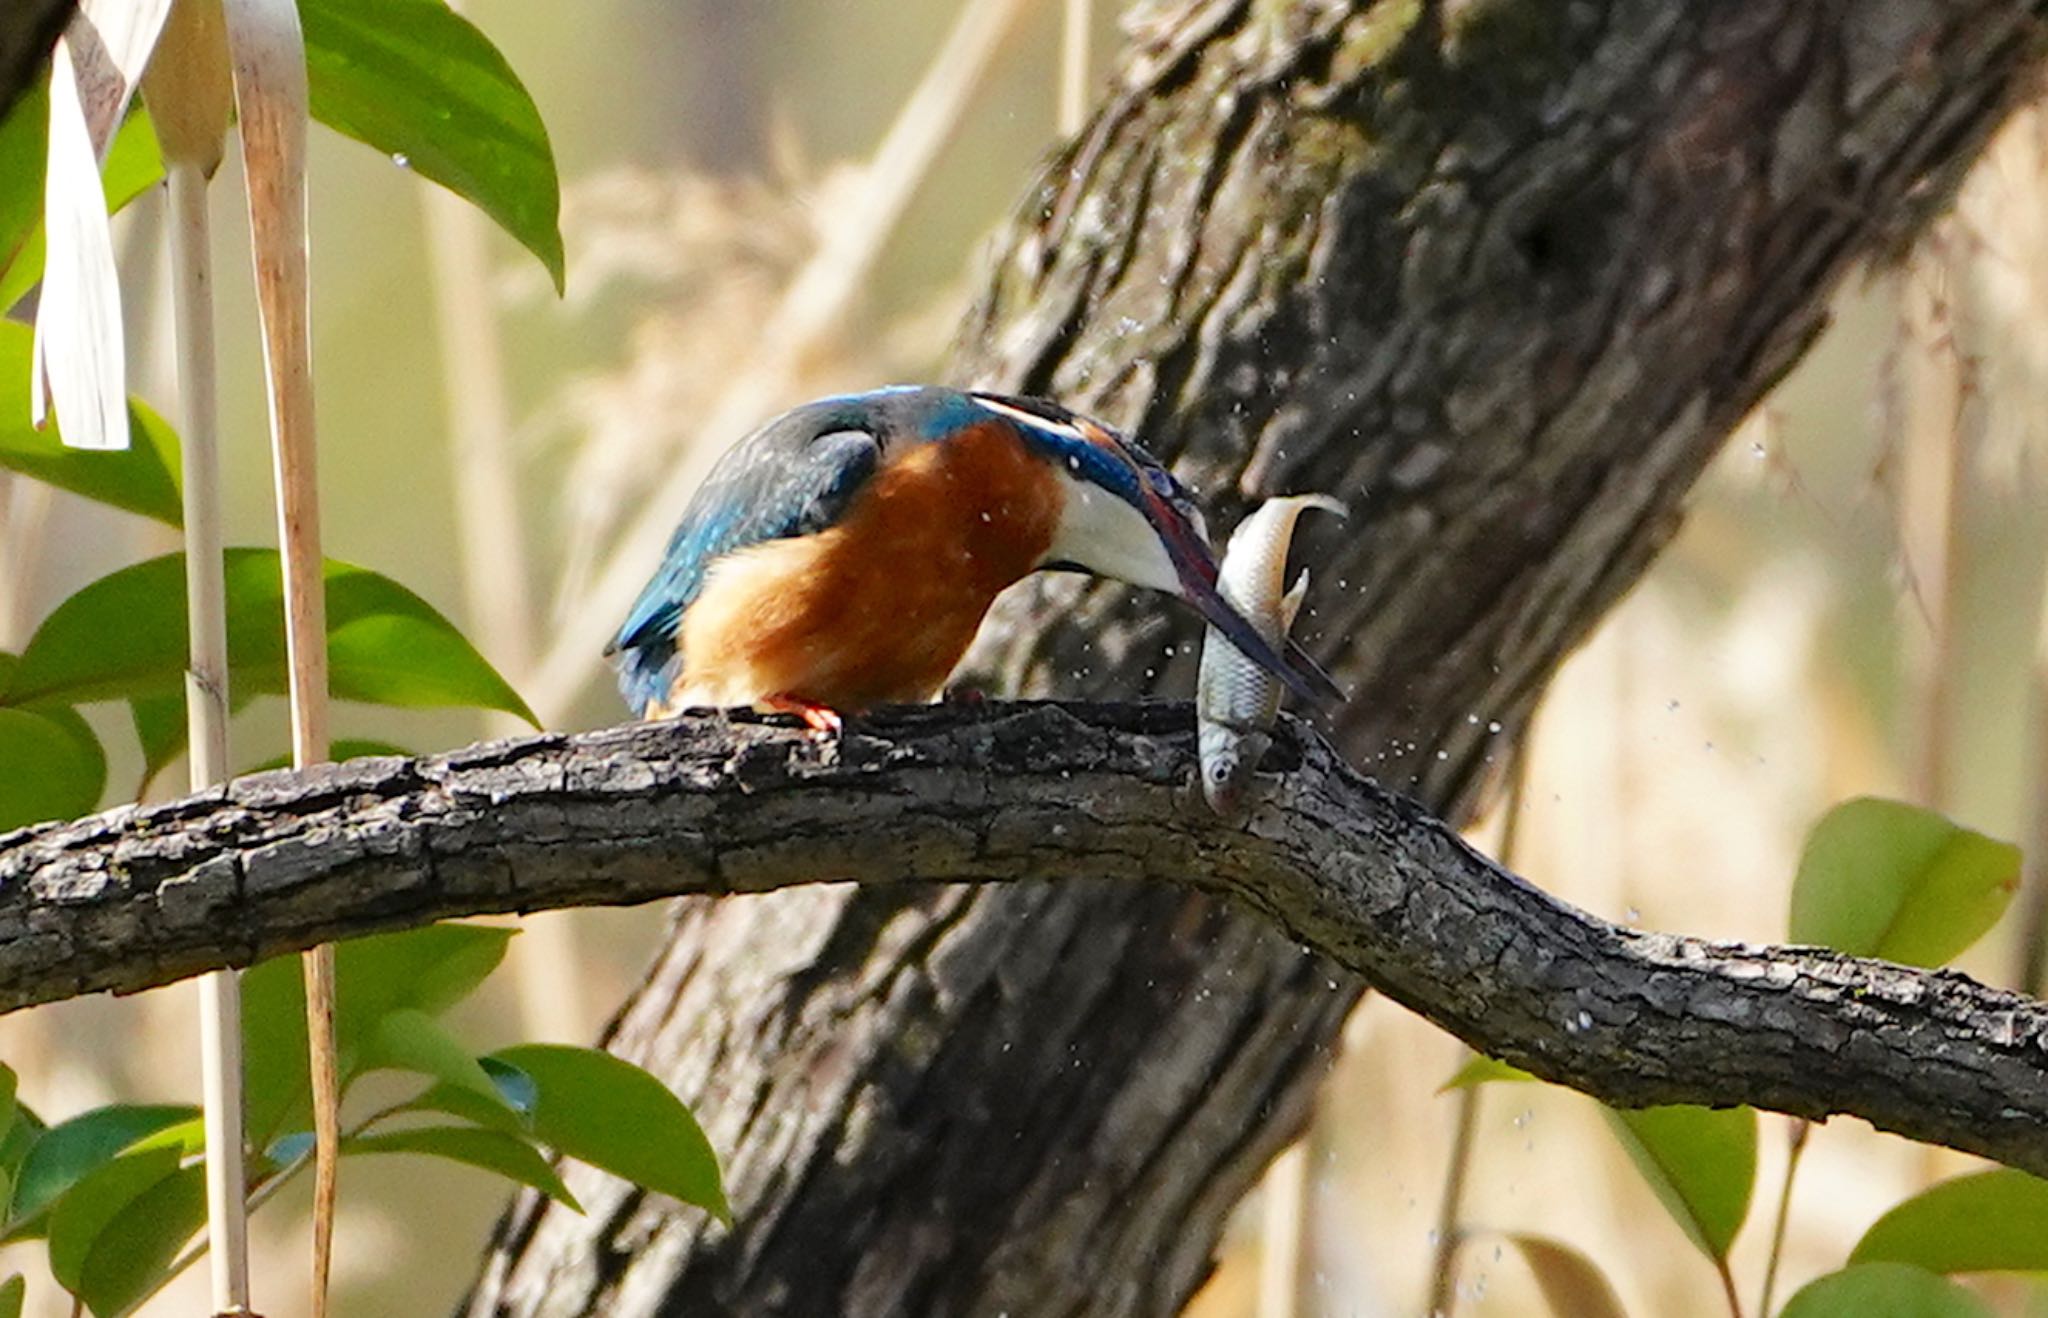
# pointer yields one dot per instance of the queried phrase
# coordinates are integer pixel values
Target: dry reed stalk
(269, 56)
(190, 92)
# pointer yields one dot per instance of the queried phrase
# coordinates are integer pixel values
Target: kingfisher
(843, 555)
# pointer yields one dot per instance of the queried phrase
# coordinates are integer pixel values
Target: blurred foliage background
(1851, 607)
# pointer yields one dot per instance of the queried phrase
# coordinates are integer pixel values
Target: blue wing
(792, 477)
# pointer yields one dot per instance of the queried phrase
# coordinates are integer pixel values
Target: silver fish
(1235, 699)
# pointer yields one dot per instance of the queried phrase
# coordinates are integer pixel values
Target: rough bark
(1062, 794)
(1502, 274)
(28, 28)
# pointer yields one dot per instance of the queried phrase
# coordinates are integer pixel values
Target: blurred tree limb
(1013, 793)
(28, 28)
(1502, 274)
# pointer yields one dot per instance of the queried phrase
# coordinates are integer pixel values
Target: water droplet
(1494, 726)
(402, 160)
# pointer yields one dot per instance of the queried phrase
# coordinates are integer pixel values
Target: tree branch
(716, 805)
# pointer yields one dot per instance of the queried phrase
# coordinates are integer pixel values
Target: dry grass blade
(269, 55)
(811, 307)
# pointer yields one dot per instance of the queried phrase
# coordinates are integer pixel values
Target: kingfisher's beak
(1195, 564)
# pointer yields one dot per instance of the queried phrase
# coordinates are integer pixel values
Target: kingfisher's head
(1124, 516)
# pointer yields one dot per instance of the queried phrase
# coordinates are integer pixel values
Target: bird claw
(820, 719)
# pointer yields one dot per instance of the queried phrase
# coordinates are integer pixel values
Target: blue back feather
(791, 477)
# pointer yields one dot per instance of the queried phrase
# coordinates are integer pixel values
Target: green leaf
(613, 1115)
(386, 645)
(493, 1150)
(72, 1150)
(1701, 1162)
(12, 1292)
(1995, 1221)
(23, 137)
(21, 1137)
(410, 1040)
(1480, 1069)
(492, 1114)
(275, 1087)
(509, 1109)
(142, 478)
(1572, 1284)
(426, 970)
(132, 1252)
(1886, 879)
(91, 1205)
(51, 764)
(133, 165)
(160, 728)
(420, 83)
(187, 1137)
(1883, 1290)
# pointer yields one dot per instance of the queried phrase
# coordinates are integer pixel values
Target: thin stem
(2033, 941)
(206, 709)
(1936, 414)
(1443, 1276)
(1728, 1288)
(1074, 34)
(1800, 1130)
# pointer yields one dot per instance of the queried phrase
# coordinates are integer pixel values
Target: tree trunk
(1500, 273)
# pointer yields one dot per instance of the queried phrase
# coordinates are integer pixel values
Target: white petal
(78, 357)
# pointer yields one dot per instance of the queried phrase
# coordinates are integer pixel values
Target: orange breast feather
(878, 608)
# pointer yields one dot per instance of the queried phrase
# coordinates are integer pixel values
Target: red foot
(816, 717)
